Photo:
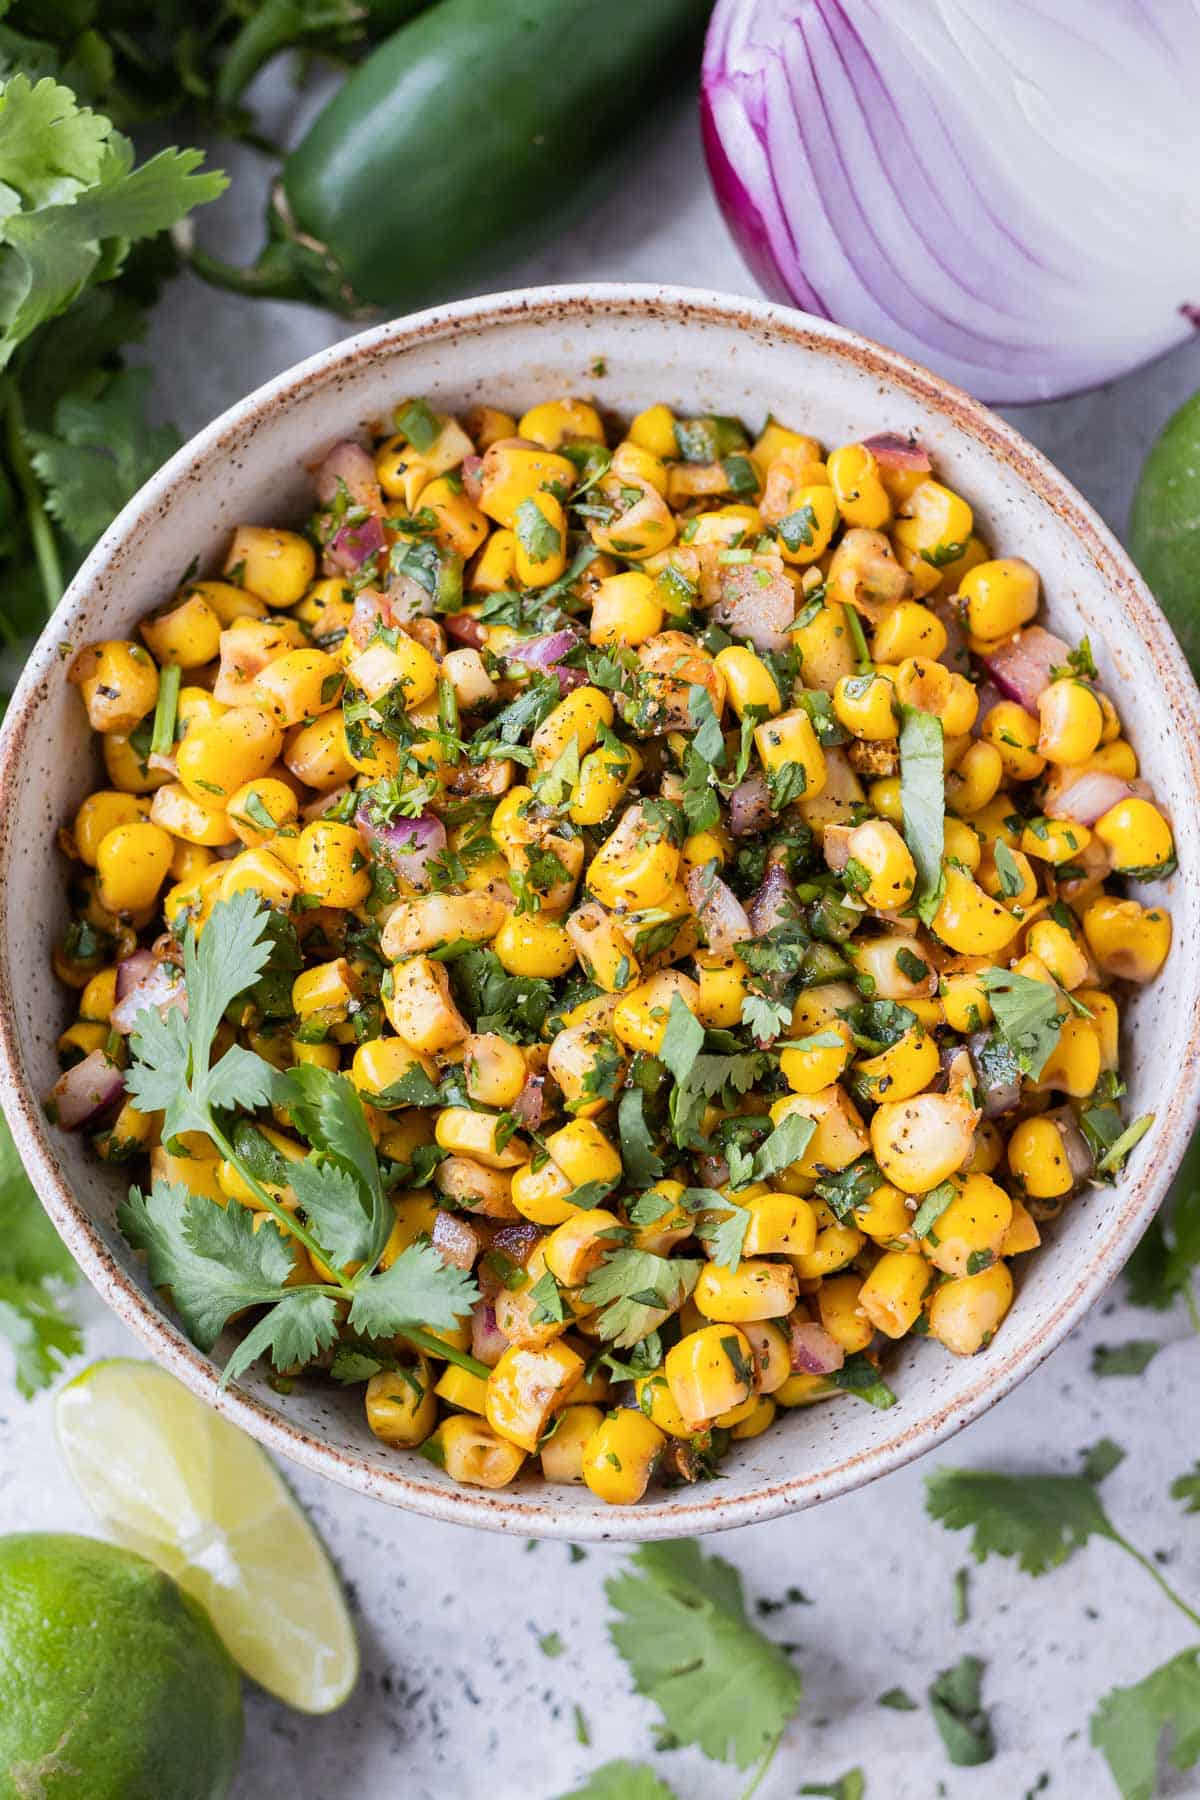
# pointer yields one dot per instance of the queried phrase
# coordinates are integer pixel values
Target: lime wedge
(171, 1478)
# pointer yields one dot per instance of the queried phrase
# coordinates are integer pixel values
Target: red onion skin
(999, 1097)
(472, 485)
(517, 1241)
(455, 1241)
(87, 1091)
(488, 1342)
(407, 846)
(465, 629)
(750, 806)
(530, 1104)
(1076, 1148)
(546, 653)
(1083, 796)
(891, 451)
(132, 970)
(354, 545)
(774, 902)
(814, 1352)
(350, 464)
(1021, 666)
(156, 987)
(718, 909)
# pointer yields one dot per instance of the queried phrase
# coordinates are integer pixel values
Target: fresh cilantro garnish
(1027, 1016)
(709, 739)
(955, 1700)
(722, 1226)
(1008, 869)
(923, 805)
(765, 1018)
(850, 1786)
(850, 1187)
(940, 556)
(1128, 1724)
(682, 1039)
(931, 1209)
(641, 1162)
(1187, 1488)
(898, 1700)
(692, 1651)
(1100, 1459)
(632, 1287)
(1131, 1358)
(798, 529)
(622, 1781)
(538, 538)
(859, 1376)
(786, 1145)
(35, 1268)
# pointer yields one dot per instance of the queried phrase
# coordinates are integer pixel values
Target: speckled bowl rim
(686, 1511)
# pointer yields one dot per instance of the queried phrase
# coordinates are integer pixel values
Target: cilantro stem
(435, 1346)
(858, 639)
(1152, 1569)
(41, 531)
(1189, 1300)
(763, 1766)
(291, 1225)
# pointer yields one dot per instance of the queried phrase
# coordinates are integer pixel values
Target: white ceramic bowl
(628, 346)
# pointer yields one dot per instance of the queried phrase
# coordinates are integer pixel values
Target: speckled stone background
(457, 1701)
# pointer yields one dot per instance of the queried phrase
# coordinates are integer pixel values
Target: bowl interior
(627, 348)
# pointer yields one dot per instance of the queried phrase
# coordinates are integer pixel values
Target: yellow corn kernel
(754, 1290)
(401, 1407)
(473, 1454)
(513, 473)
(921, 1141)
(892, 1293)
(654, 430)
(969, 920)
(461, 527)
(198, 1174)
(1038, 1160)
(478, 1135)
(861, 496)
(753, 1422)
(656, 1402)
(260, 808)
(640, 1017)
(431, 920)
(779, 1225)
(964, 1001)
(972, 1228)
(604, 953)
(496, 1070)
(824, 646)
(1071, 722)
(533, 945)
(865, 705)
(965, 1314)
(840, 1136)
(1022, 1234)
(276, 565)
(332, 864)
(1117, 758)
(79, 1040)
(381, 1065)
(709, 1371)
(419, 1007)
(541, 1195)
(842, 1314)
(884, 1216)
(625, 610)
(381, 667)
(1126, 939)
(555, 422)
(878, 847)
(98, 997)
(101, 813)
(1013, 732)
(1105, 1023)
(1073, 1066)
(299, 685)
(635, 868)
(805, 1390)
(723, 983)
(935, 528)
(817, 1062)
(805, 531)
(975, 779)
(639, 466)
(577, 1246)
(1054, 840)
(837, 1244)
(564, 1450)
(131, 865)
(525, 1388)
(215, 760)
(540, 526)
(316, 754)
(329, 988)
(909, 629)
(1059, 951)
(748, 681)
(583, 1153)
(1000, 597)
(458, 1387)
(788, 740)
(619, 1458)
(118, 682)
(580, 716)
(903, 1069)
(884, 798)
(1138, 837)
(125, 767)
(605, 776)
(188, 633)
(259, 872)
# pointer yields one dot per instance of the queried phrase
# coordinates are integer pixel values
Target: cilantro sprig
(211, 1257)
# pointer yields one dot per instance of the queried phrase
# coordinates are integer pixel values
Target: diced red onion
(891, 451)
(349, 464)
(546, 654)
(835, 846)
(750, 806)
(955, 656)
(1076, 1148)
(774, 903)
(996, 1096)
(814, 1352)
(755, 608)
(316, 809)
(408, 600)
(148, 983)
(464, 628)
(455, 1240)
(1021, 666)
(1084, 796)
(407, 846)
(718, 909)
(488, 1342)
(714, 1170)
(517, 1241)
(370, 609)
(530, 1104)
(87, 1091)
(353, 545)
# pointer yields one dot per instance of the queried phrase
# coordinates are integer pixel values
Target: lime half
(171, 1478)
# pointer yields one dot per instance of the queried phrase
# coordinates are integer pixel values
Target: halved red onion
(407, 846)
(148, 984)
(1083, 796)
(455, 1240)
(465, 629)
(774, 902)
(756, 604)
(349, 464)
(530, 1104)
(1021, 666)
(517, 1240)
(891, 451)
(718, 909)
(353, 545)
(1076, 1148)
(814, 1352)
(87, 1091)
(488, 1342)
(750, 806)
(546, 654)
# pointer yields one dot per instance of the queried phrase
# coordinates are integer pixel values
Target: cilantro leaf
(723, 1230)
(34, 1266)
(418, 1289)
(682, 1039)
(211, 1257)
(1101, 1458)
(1124, 1359)
(709, 741)
(538, 538)
(99, 453)
(39, 1333)
(923, 804)
(786, 1145)
(1187, 1488)
(692, 1650)
(1162, 1266)
(296, 1329)
(326, 1108)
(1027, 1016)
(333, 1201)
(1039, 1519)
(642, 1164)
(955, 1700)
(1128, 1724)
(622, 1781)
(765, 1018)
(850, 1786)
(859, 1376)
(241, 1079)
(632, 1287)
